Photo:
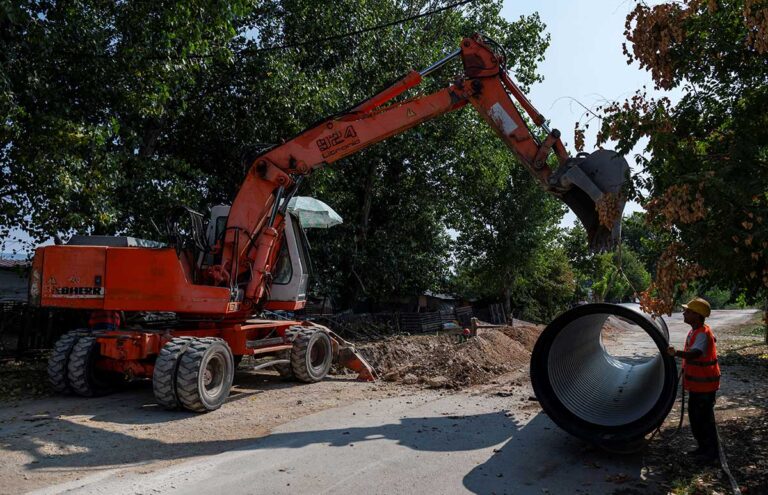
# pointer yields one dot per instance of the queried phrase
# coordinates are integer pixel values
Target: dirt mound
(443, 362)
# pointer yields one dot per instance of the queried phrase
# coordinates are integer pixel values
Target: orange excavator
(191, 304)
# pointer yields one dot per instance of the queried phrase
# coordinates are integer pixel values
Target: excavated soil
(442, 361)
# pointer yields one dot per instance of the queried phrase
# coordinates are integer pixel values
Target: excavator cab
(293, 267)
(292, 270)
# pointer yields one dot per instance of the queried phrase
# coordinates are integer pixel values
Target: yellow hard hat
(699, 305)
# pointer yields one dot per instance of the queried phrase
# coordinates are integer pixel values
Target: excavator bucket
(594, 185)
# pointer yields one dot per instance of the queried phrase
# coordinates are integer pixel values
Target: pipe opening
(601, 373)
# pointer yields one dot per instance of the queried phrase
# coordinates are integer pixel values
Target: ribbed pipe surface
(612, 401)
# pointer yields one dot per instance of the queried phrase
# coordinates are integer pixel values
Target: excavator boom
(589, 184)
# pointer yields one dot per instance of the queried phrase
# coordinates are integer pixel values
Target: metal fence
(377, 325)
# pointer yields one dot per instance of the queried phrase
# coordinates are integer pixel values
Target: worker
(465, 334)
(701, 378)
(104, 320)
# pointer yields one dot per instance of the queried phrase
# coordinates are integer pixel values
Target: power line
(349, 34)
(250, 51)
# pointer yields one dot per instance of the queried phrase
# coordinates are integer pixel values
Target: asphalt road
(718, 319)
(426, 443)
(490, 440)
(635, 343)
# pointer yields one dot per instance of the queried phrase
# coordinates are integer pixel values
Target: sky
(583, 63)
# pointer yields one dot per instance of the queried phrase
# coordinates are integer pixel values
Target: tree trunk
(765, 321)
(365, 212)
(149, 138)
(507, 303)
(362, 227)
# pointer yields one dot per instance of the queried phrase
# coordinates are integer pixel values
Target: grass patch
(755, 327)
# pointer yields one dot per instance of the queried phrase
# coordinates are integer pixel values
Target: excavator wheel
(83, 376)
(285, 370)
(164, 375)
(312, 355)
(205, 374)
(59, 360)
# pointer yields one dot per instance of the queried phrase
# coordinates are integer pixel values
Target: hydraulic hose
(612, 401)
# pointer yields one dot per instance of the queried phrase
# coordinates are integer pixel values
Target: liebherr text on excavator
(253, 255)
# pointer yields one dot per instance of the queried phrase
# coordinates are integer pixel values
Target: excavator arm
(256, 219)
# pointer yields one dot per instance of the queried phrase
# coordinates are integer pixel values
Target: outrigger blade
(347, 356)
(592, 185)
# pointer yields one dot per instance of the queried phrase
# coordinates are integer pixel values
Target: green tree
(91, 93)
(616, 276)
(646, 243)
(547, 288)
(505, 222)
(705, 182)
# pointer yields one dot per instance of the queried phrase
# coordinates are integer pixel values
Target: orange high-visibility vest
(104, 318)
(703, 373)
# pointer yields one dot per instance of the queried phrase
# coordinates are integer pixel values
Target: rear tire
(164, 374)
(285, 370)
(59, 361)
(312, 355)
(83, 376)
(205, 375)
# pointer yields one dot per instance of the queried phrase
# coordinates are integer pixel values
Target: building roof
(444, 297)
(5, 263)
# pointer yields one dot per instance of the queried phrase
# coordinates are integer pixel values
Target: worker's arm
(692, 354)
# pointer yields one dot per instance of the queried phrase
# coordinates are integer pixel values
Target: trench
(601, 373)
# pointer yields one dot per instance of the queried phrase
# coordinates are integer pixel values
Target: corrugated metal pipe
(608, 398)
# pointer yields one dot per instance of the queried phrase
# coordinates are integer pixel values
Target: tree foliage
(606, 277)
(705, 185)
(507, 226)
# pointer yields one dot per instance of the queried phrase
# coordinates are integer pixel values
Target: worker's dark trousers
(701, 414)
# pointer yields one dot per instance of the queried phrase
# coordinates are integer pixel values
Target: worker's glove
(671, 351)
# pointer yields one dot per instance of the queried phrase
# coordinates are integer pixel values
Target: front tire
(205, 374)
(312, 355)
(285, 370)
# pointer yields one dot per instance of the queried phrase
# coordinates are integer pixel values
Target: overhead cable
(349, 34)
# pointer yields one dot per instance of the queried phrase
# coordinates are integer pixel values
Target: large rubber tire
(59, 360)
(205, 375)
(312, 355)
(83, 376)
(286, 370)
(164, 374)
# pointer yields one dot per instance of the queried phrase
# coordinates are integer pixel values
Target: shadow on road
(56, 443)
(540, 458)
(435, 434)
